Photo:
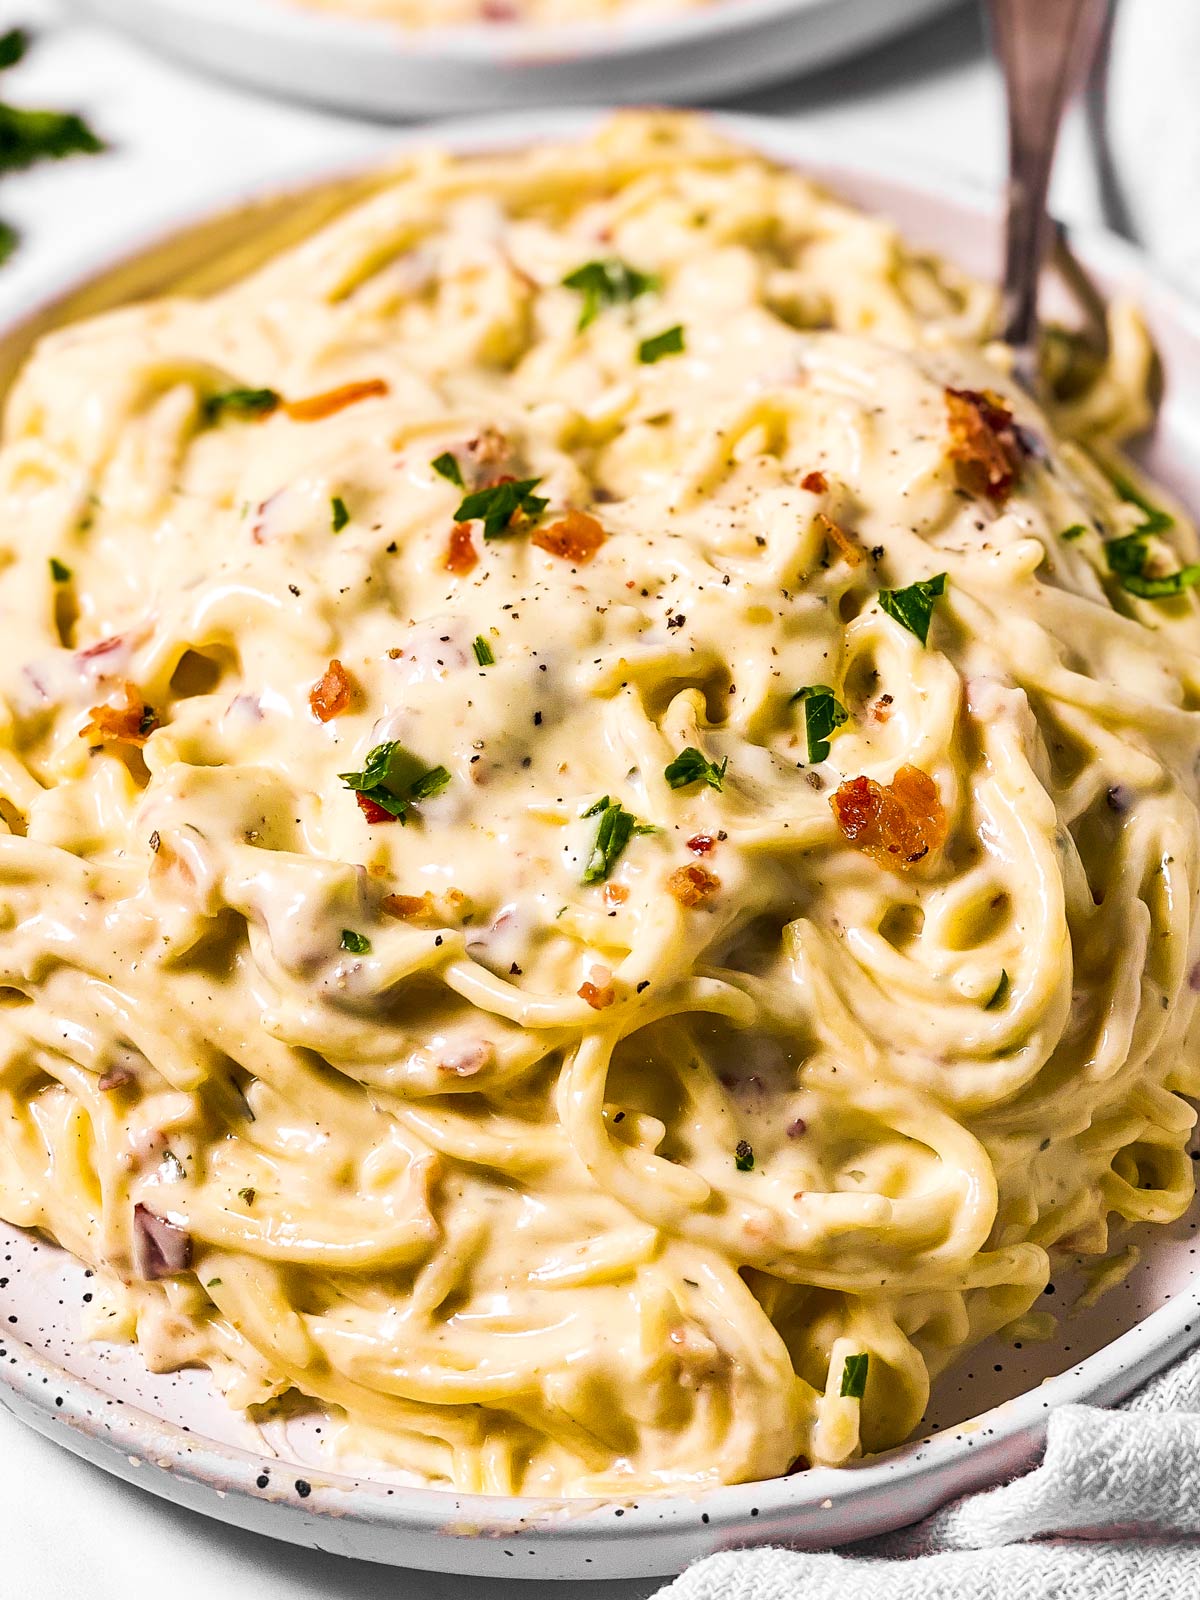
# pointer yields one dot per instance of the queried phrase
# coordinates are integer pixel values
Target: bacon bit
(409, 907)
(882, 709)
(102, 647)
(815, 483)
(701, 843)
(114, 1078)
(461, 554)
(985, 445)
(131, 721)
(333, 694)
(615, 894)
(797, 1129)
(315, 407)
(846, 546)
(576, 538)
(489, 447)
(372, 812)
(160, 1248)
(692, 884)
(598, 989)
(897, 824)
(465, 1063)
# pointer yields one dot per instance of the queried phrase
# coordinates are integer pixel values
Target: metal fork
(1046, 49)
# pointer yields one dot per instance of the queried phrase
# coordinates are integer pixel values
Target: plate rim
(478, 44)
(921, 1474)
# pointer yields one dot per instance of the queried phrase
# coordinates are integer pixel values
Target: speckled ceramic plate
(386, 70)
(175, 1437)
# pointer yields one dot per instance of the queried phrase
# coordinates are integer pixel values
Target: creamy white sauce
(549, 1185)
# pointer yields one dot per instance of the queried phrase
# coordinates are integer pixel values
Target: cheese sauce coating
(599, 847)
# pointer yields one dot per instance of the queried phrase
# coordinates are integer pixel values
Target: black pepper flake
(438, 940)
(262, 1481)
(292, 589)
(537, 719)
(155, 841)
(303, 1488)
(645, 984)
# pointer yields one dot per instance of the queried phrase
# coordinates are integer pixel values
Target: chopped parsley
(339, 516)
(483, 651)
(29, 136)
(213, 1283)
(912, 608)
(616, 827)
(824, 714)
(496, 506)
(1075, 531)
(854, 1376)
(59, 570)
(357, 943)
(692, 766)
(667, 343)
(743, 1157)
(446, 466)
(394, 780)
(241, 403)
(1000, 993)
(13, 46)
(1128, 555)
(607, 283)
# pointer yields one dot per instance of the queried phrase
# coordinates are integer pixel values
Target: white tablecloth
(179, 142)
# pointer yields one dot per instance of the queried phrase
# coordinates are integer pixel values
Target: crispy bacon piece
(615, 894)
(701, 843)
(409, 907)
(815, 483)
(332, 694)
(128, 721)
(372, 812)
(984, 443)
(597, 995)
(693, 884)
(897, 823)
(461, 554)
(576, 537)
(841, 540)
(315, 407)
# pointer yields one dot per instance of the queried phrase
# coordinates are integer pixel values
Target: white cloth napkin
(1112, 1513)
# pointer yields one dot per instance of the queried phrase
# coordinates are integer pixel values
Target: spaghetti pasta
(600, 836)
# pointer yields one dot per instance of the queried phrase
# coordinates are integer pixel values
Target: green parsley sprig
(356, 943)
(912, 608)
(854, 1376)
(667, 343)
(1127, 556)
(241, 403)
(614, 831)
(446, 466)
(693, 766)
(610, 282)
(394, 780)
(824, 714)
(496, 506)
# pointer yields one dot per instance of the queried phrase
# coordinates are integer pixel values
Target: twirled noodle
(628, 1114)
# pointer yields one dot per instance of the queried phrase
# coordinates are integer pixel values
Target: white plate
(385, 70)
(172, 1435)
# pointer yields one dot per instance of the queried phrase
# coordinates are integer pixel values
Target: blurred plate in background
(383, 69)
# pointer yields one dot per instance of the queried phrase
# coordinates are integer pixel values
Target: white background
(178, 143)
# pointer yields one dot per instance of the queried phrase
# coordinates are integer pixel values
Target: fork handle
(1046, 49)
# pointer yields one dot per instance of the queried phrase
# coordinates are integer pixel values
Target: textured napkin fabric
(1112, 1513)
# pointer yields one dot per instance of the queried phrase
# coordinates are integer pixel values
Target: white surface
(178, 142)
(365, 65)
